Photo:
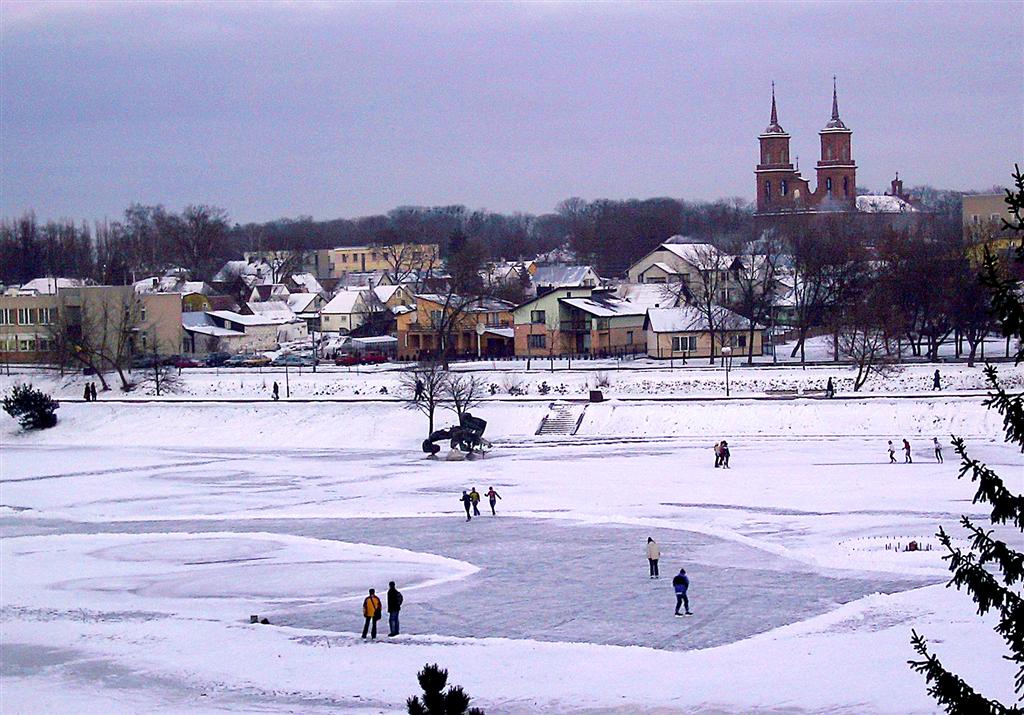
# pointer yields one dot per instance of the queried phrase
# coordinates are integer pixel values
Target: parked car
(256, 361)
(292, 361)
(182, 361)
(235, 361)
(366, 358)
(144, 362)
(216, 359)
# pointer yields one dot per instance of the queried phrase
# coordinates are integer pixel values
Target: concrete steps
(562, 419)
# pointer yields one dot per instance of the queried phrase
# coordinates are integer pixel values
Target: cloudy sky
(330, 109)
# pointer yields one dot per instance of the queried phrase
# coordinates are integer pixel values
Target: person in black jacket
(681, 584)
(394, 606)
(467, 502)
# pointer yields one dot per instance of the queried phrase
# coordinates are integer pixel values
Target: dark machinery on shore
(467, 436)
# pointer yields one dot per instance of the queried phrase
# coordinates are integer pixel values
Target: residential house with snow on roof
(684, 332)
(578, 321)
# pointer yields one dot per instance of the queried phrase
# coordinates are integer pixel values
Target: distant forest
(147, 240)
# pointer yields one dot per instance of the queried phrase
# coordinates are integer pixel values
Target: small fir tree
(32, 408)
(435, 700)
(990, 570)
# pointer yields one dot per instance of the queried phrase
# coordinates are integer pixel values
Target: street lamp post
(727, 360)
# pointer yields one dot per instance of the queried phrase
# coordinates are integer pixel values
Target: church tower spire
(775, 174)
(836, 122)
(837, 171)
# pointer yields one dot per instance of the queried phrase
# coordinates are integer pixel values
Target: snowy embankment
(390, 425)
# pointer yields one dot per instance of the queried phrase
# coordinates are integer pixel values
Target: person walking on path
(892, 453)
(681, 584)
(907, 459)
(718, 455)
(492, 497)
(277, 391)
(830, 389)
(419, 390)
(394, 606)
(936, 380)
(653, 554)
(92, 391)
(88, 393)
(466, 502)
(371, 612)
(938, 450)
(474, 497)
(725, 455)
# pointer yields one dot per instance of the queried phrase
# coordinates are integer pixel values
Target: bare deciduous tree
(463, 392)
(423, 389)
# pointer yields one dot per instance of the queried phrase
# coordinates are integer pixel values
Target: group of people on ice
(372, 611)
(471, 500)
(680, 582)
(722, 455)
(908, 457)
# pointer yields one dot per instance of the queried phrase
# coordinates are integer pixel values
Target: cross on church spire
(835, 101)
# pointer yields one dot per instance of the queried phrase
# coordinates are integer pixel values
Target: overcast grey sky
(331, 110)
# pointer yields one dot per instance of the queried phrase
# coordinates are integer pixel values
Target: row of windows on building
(25, 343)
(784, 188)
(688, 343)
(27, 316)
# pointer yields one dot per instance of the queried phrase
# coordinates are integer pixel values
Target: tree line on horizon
(147, 240)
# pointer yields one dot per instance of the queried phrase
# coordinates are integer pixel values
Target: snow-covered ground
(139, 538)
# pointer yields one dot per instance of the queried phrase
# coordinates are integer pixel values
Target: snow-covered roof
(50, 286)
(307, 281)
(562, 276)
(344, 303)
(875, 204)
(253, 319)
(273, 310)
(377, 340)
(385, 293)
(502, 332)
(301, 302)
(695, 253)
(604, 307)
(199, 322)
(648, 295)
(687, 318)
(665, 267)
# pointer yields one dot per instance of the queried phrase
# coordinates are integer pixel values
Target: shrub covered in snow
(33, 408)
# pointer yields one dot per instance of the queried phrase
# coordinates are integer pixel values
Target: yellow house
(405, 257)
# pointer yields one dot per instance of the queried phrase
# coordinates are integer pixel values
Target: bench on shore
(793, 391)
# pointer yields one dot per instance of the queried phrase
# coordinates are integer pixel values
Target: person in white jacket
(653, 554)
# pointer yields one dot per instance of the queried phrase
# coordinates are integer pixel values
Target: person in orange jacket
(371, 612)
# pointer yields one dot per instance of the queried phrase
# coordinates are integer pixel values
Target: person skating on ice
(474, 498)
(892, 453)
(681, 584)
(907, 459)
(938, 450)
(468, 503)
(492, 497)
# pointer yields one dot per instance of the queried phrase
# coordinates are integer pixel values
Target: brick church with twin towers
(781, 189)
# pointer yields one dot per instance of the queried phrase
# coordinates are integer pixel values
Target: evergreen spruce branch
(1006, 506)
(989, 594)
(1010, 562)
(949, 690)
(1010, 406)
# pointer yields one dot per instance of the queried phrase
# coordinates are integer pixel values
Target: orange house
(475, 327)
